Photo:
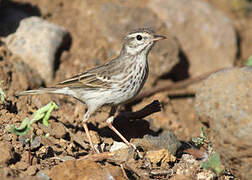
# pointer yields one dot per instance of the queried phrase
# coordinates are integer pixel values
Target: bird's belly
(114, 96)
(120, 98)
(127, 92)
(130, 85)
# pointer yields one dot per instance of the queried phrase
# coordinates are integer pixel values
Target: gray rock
(36, 142)
(207, 37)
(37, 41)
(166, 140)
(116, 20)
(224, 101)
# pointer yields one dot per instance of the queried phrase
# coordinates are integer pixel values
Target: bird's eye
(139, 37)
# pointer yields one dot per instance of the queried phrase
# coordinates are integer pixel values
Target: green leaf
(214, 164)
(46, 117)
(48, 113)
(37, 116)
(22, 130)
(44, 113)
(203, 133)
(249, 61)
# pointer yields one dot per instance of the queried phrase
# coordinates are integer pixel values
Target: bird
(114, 83)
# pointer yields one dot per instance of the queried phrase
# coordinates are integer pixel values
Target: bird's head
(140, 41)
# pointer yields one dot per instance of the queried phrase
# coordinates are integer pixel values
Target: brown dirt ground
(88, 49)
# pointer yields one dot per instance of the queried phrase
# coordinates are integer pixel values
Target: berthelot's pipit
(113, 83)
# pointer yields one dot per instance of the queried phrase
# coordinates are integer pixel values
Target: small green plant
(25, 126)
(2, 95)
(41, 114)
(249, 61)
(202, 140)
(214, 164)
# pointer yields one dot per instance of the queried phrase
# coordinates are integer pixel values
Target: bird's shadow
(129, 124)
(132, 124)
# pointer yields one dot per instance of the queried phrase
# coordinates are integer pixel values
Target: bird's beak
(158, 37)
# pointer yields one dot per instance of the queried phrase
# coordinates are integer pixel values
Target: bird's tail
(37, 91)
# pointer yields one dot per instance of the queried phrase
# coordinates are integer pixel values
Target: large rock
(225, 101)
(207, 37)
(22, 76)
(37, 42)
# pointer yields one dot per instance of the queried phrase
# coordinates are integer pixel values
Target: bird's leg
(109, 122)
(84, 120)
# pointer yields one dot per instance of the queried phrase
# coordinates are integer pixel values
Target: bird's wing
(94, 78)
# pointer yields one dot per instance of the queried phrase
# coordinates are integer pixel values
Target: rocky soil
(68, 37)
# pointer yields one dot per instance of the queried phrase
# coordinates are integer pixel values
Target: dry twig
(98, 157)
